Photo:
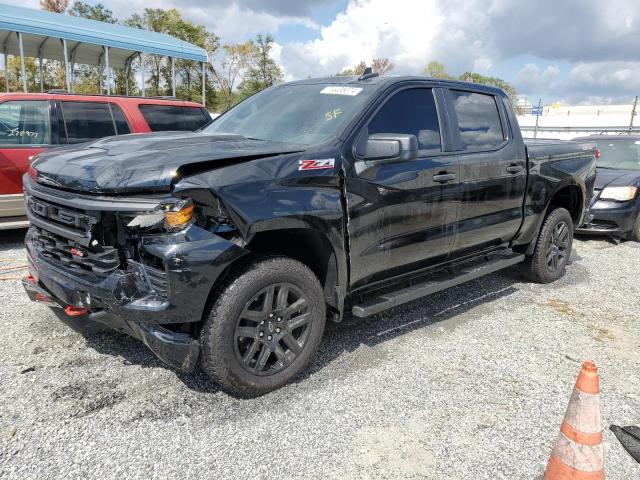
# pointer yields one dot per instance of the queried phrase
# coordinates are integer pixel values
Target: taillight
(597, 153)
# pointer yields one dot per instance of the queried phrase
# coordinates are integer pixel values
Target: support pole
(173, 76)
(106, 64)
(100, 72)
(41, 74)
(40, 47)
(535, 132)
(22, 69)
(6, 70)
(126, 79)
(633, 114)
(66, 65)
(204, 84)
(142, 72)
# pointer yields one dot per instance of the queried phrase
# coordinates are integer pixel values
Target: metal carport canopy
(42, 32)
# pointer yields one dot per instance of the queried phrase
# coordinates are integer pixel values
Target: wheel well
(569, 197)
(307, 246)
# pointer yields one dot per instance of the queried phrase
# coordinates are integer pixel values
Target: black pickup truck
(229, 248)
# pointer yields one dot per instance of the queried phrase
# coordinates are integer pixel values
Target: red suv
(31, 122)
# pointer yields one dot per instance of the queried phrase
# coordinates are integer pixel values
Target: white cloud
(366, 30)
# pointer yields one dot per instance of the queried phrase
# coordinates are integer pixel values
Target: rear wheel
(553, 248)
(264, 327)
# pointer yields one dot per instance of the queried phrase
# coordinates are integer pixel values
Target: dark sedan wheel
(264, 326)
(553, 248)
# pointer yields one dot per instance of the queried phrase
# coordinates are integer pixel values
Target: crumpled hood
(619, 178)
(146, 162)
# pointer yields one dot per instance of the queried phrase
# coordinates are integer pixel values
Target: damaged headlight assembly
(170, 216)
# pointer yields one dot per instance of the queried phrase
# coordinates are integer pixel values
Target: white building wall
(567, 122)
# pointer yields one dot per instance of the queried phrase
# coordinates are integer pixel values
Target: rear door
(492, 171)
(163, 118)
(401, 217)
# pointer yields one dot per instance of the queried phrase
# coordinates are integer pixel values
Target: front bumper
(611, 218)
(126, 301)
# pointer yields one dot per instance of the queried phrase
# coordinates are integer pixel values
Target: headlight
(172, 216)
(621, 194)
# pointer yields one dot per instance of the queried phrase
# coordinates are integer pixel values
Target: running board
(392, 299)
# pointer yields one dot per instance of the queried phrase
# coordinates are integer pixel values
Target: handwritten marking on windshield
(322, 164)
(333, 114)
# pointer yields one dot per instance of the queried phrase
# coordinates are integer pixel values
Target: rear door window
(478, 120)
(86, 121)
(24, 122)
(162, 118)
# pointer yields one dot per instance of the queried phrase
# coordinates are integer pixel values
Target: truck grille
(80, 222)
(68, 254)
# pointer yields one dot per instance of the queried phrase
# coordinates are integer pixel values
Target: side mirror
(388, 147)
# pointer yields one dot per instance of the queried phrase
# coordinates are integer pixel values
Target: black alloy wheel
(552, 248)
(557, 246)
(272, 329)
(264, 326)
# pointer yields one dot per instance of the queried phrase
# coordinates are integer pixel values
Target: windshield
(300, 114)
(619, 153)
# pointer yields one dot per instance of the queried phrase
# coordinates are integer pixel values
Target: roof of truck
(386, 80)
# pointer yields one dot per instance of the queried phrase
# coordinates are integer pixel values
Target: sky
(566, 51)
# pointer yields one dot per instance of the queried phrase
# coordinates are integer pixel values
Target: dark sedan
(615, 206)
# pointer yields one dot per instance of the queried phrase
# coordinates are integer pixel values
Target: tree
(56, 6)
(381, 65)
(436, 69)
(378, 65)
(86, 78)
(94, 12)
(236, 60)
(172, 23)
(263, 71)
(474, 77)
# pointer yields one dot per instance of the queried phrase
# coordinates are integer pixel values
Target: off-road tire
(536, 267)
(218, 338)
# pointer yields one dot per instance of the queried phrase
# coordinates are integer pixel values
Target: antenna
(368, 73)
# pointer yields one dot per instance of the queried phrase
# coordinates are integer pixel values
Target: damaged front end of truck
(144, 261)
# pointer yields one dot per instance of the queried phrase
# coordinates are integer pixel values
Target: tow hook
(75, 311)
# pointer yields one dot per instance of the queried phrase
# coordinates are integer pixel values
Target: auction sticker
(338, 90)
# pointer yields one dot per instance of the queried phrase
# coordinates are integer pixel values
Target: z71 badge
(323, 164)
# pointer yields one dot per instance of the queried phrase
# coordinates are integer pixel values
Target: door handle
(515, 168)
(444, 177)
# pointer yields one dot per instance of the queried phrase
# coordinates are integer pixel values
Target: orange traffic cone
(578, 453)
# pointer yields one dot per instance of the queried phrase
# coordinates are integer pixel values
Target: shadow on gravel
(346, 336)
(354, 332)
(12, 238)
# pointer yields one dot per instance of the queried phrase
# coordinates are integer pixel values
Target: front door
(402, 214)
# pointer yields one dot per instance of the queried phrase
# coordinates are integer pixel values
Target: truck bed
(551, 149)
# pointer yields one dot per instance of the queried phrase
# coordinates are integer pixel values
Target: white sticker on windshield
(337, 90)
(637, 143)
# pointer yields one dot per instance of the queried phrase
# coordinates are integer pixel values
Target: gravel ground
(469, 383)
